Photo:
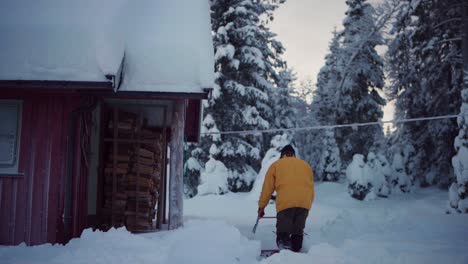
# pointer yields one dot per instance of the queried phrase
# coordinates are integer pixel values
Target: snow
(403, 229)
(355, 172)
(271, 156)
(225, 51)
(460, 165)
(198, 242)
(213, 178)
(166, 45)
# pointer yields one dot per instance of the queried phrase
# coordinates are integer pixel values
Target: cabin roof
(144, 45)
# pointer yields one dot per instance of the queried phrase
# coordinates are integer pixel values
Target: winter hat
(287, 150)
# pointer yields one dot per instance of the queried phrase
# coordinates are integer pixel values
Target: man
(293, 181)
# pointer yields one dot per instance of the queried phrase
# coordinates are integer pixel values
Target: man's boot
(283, 241)
(296, 242)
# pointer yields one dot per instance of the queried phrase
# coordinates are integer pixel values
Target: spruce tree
(323, 109)
(458, 192)
(246, 63)
(330, 163)
(323, 102)
(426, 76)
(358, 98)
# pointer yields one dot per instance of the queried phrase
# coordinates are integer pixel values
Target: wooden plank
(57, 151)
(38, 195)
(5, 210)
(177, 164)
(161, 215)
(1, 199)
(20, 210)
(14, 197)
(47, 170)
(137, 193)
(127, 140)
(24, 167)
(114, 176)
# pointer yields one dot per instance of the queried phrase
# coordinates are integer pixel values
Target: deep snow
(405, 228)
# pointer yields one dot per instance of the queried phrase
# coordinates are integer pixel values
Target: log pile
(137, 168)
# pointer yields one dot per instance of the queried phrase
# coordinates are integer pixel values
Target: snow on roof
(165, 45)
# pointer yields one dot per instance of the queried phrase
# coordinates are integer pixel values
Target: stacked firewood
(137, 175)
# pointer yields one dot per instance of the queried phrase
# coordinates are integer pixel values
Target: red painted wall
(192, 120)
(32, 204)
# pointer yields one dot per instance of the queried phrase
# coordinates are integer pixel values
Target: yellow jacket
(293, 180)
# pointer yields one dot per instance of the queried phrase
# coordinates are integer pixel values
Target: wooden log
(117, 170)
(144, 161)
(147, 213)
(147, 133)
(120, 158)
(142, 152)
(124, 149)
(140, 194)
(121, 165)
(139, 223)
(133, 179)
(148, 202)
(142, 169)
(177, 166)
(123, 126)
(119, 194)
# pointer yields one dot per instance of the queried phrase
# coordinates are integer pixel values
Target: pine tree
(358, 99)
(425, 72)
(323, 109)
(458, 192)
(284, 113)
(246, 63)
(329, 168)
(306, 139)
(324, 99)
(192, 170)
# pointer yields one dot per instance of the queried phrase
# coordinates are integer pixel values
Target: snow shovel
(265, 253)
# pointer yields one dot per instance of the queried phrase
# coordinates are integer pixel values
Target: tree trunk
(177, 166)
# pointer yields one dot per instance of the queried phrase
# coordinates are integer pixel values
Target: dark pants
(290, 225)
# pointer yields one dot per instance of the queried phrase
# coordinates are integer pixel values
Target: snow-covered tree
(378, 170)
(192, 170)
(329, 168)
(458, 192)
(246, 63)
(359, 182)
(272, 155)
(425, 71)
(305, 139)
(399, 181)
(284, 112)
(369, 178)
(324, 97)
(358, 98)
(323, 110)
(214, 178)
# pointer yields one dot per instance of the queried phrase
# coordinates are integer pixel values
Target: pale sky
(305, 28)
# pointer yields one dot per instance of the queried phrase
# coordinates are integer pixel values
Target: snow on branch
(385, 13)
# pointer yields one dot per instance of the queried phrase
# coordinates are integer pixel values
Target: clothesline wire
(295, 129)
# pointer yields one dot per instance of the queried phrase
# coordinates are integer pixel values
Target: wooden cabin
(96, 102)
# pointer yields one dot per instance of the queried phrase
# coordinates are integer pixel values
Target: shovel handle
(258, 219)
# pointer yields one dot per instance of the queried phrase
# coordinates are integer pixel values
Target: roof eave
(47, 84)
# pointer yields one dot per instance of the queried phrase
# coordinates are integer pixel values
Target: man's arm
(268, 188)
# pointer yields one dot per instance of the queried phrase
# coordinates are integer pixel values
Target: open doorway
(131, 175)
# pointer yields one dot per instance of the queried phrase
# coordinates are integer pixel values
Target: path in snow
(406, 228)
